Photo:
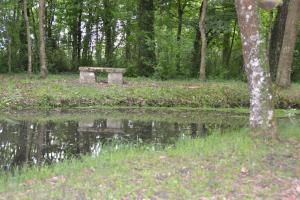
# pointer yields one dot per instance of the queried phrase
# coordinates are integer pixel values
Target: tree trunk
(29, 43)
(277, 38)
(269, 35)
(203, 41)
(79, 33)
(262, 121)
(107, 23)
(42, 39)
(128, 42)
(196, 49)
(86, 49)
(179, 31)
(146, 50)
(196, 54)
(226, 49)
(231, 46)
(9, 55)
(284, 71)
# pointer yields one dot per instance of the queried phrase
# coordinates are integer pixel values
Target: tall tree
(203, 41)
(28, 35)
(262, 120)
(108, 32)
(43, 66)
(146, 49)
(276, 39)
(181, 6)
(284, 71)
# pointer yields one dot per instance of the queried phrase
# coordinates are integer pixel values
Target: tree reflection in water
(36, 143)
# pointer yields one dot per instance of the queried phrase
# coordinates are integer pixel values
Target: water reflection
(49, 142)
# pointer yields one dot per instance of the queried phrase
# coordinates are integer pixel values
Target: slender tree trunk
(9, 55)
(42, 39)
(196, 50)
(86, 50)
(179, 31)
(196, 54)
(128, 42)
(262, 121)
(203, 41)
(284, 71)
(226, 49)
(107, 23)
(79, 33)
(269, 35)
(50, 20)
(29, 43)
(277, 38)
(231, 45)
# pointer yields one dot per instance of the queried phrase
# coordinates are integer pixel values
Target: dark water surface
(45, 138)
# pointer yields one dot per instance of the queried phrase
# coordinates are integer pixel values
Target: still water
(34, 138)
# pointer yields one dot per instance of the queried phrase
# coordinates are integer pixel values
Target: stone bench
(115, 75)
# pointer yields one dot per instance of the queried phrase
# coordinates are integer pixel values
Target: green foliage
(76, 35)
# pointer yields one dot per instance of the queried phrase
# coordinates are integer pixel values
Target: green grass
(64, 91)
(231, 165)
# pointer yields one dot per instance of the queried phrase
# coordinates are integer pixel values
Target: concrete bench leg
(115, 78)
(87, 77)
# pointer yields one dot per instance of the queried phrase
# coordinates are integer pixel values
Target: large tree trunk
(86, 49)
(107, 23)
(42, 39)
(276, 39)
(284, 71)
(262, 121)
(29, 43)
(76, 33)
(203, 41)
(146, 50)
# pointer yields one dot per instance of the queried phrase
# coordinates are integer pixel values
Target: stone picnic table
(115, 75)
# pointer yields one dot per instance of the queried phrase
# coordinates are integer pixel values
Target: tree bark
(29, 43)
(180, 11)
(226, 49)
(9, 55)
(146, 49)
(107, 25)
(262, 121)
(284, 71)
(87, 59)
(203, 41)
(277, 38)
(43, 65)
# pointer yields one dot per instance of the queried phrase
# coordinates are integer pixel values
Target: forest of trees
(159, 38)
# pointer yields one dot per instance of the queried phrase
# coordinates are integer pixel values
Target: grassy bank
(228, 165)
(64, 91)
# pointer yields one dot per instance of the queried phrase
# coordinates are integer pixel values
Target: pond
(35, 138)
